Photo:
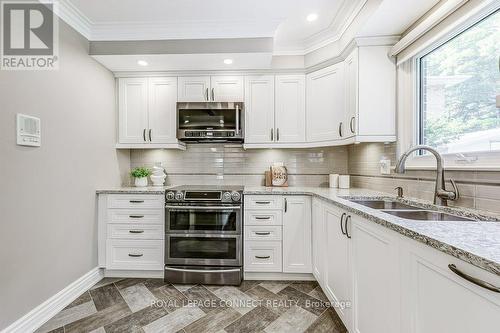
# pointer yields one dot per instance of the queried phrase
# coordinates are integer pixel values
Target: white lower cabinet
(375, 272)
(131, 232)
(338, 277)
(263, 256)
(435, 299)
(318, 240)
(297, 235)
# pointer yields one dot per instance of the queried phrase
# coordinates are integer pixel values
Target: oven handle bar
(202, 270)
(204, 207)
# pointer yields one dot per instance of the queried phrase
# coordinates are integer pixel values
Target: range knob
(235, 196)
(170, 196)
(226, 196)
(178, 196)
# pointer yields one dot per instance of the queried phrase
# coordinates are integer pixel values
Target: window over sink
(458, 84)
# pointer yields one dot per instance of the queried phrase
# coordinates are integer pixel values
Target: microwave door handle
(237, 120)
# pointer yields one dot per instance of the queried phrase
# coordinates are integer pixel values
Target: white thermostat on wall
(28, 131)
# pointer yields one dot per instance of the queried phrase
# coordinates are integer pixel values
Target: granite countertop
(477, 243)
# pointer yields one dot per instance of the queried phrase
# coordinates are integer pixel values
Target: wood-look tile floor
(151, 305)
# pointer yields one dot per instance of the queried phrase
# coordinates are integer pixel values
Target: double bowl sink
(406, 211)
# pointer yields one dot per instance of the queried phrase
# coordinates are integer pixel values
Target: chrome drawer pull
(263, 202)
(135, 255)
(136, 231)
(136, 216)
(263, 217)
(136, 201)
(262, 257)
(262, 233)
(474, 280)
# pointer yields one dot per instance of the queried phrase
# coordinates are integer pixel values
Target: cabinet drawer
(136, 216)
(263, 217)
(141, 201)
(134, 254)
(263, 201)
(135, 231)
(263, 256)
(266, 233)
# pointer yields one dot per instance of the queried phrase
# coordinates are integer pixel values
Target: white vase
(141, 182)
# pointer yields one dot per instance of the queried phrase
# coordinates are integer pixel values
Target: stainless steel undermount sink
(383, 204)
(425, 215)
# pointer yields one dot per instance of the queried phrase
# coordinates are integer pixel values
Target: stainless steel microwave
(210, 122)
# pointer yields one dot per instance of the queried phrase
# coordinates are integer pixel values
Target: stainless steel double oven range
(203, 235)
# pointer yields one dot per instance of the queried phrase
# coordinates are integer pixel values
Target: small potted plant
(141, 176)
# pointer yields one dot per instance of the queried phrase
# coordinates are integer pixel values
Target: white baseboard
(278, 276)
(48, 309)
(120, 273)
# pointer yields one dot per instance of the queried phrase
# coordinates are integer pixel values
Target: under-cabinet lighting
(142, 62)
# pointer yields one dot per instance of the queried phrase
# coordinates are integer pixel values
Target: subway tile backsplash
(478, 189)
(208, 164)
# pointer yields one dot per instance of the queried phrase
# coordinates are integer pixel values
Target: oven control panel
(214, 196)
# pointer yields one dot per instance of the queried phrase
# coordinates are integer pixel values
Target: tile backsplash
(209, 164)
(478, 189)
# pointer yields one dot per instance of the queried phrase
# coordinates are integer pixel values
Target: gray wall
(231, 165)
(48, 235)
(478, 189)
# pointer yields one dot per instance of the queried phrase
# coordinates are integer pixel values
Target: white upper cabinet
(211, 89)
(326, 104)
(376, 94)
(133, 110)
(147, 112)
(194, 89)
(290, 109)
(259, 109)
(351, 93)
(227, 88)
(297, 257)
(162, 110)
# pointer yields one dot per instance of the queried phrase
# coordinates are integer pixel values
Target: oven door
(203, 249)
(203, 219)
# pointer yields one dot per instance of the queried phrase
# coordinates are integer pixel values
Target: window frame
(467, 160)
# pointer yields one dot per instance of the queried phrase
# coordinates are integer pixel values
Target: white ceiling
(285, 20)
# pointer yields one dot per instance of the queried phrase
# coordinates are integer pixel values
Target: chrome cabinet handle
(473, 280)
(150, 130)
(237, 120)
(347, 219)
(286, 205)
(277, 134)
(135, 255)
(144, 134)
(136, 216)
(351, 124)
(136, 231)
(206, 94)
(342, 223)
(262, 257)
(263, 202)
(262, 233)
(263, 217)
(272, 135)
(340, 129)
(136, 201)
(213, 94)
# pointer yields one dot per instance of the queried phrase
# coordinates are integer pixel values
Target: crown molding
(329, 35)
(75, 18)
